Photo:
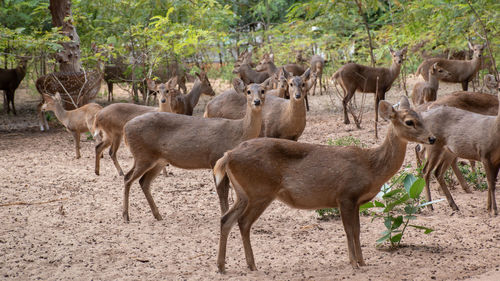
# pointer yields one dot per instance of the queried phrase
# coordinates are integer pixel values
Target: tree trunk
(69, 57)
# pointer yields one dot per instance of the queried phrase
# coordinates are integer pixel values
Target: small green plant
(342, 141)
(397, 204)
(475, 176)
(345, 141)
(89, 136)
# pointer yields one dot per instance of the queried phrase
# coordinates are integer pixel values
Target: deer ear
(404, 103)
(238, 85)
(286, 74)
(152, 86)
(404, 50)
(385, 110)
(58, 96)
(271, 57)
(391, 50)
(306, 74)
(172, 82)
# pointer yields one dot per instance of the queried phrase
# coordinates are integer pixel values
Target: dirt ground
(60, 221)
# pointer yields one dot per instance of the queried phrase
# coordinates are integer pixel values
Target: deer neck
(386, 159)
(271, 68)
(394, 70)
(61, 114)
(252, 123)
(433, 81)
(476, 63)
(296, 111)
(195, 93)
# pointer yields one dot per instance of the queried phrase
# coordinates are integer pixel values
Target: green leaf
(408, 182)
(409, 210)
(400, 201)
(379, 204)
(397, 222)
(396, 238)
(366, 206)
(383, 238)
(427, 230)
(391, 193)
(417, 188)
(388, 222)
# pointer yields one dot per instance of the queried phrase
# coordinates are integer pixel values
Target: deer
(480, 103)
(461, 71)
(281, 89)
(281, 118)
(248, 74)
(77, 121)
(466, 135)
(184, 104)
(111, 119)
(267, 65)
(312, 176)
(9, 82)
(354, 77)
(426, 91)
(157, 139)
(492, 83)
(317, 65)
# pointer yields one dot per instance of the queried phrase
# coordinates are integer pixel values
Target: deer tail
(220, 168)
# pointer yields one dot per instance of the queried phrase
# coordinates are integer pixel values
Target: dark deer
(9, 82)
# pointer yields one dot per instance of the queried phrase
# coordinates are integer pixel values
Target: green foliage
(477, 176)
(397, 204)
(345, 141)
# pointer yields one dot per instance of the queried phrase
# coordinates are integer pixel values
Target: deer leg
(10, 99)
(5, 105)
(42, 121)
(345, 102)
(307, 102)
(439, 174)
(76, 138)
(460, 176)
(251, 214)
(430, 165)
(139, 169)
(110, 91)
(112, 152)
(222, 192)
(145, 183)
(491, 176)
(314, 87)
(357, 243)
(226, 223)
(377, 100)
(465, 85)
(99, 148)
(348, 213)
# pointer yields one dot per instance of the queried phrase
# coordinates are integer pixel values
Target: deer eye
(303, 84)
(409, 123)
(167, 91)
(262, 91)
(291, 84)
(248, 92)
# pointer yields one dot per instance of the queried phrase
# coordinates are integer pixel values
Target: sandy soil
(64, 222)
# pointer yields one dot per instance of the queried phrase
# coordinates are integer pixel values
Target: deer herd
(249, 135)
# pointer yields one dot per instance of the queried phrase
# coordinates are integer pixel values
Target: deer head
(206, 88)
(297, 85)
(439, 71)
(477, 49)
(398, 56)
(407, 123)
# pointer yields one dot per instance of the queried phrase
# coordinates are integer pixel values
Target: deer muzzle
(432, 140)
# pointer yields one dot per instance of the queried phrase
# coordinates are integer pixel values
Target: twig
(32, 203)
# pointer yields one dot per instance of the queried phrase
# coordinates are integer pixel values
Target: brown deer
(184, 104)
(9, 82)
(466, 135)
(248, 74)
(461, 71)
(492, 83)
(227, 103)
(281, 118)
(156, 139)
(76, 121)
(111, 119)
(427, 91)
(311, 176)
(480, 103)
(282, 86)
(76, 88)
(317, 65)
(354, 77)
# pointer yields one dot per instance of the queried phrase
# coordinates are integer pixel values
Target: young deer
(76, 121)
(427, 91)
(354, 77)
(461, 71)
(317, 65)
(282, 87)
(281, 118)
(248, 74)
(111, 119)
(157, 139)
(311, 176)
(466, 135)
(184, 104)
